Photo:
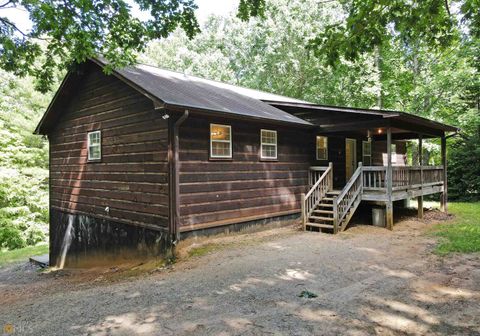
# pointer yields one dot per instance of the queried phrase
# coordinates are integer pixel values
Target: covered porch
(381, 182)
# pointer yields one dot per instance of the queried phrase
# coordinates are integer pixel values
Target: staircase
(322, 216)
(330, 210)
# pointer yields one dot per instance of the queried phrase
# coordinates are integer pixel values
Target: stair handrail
(316, 193)
(339, 211)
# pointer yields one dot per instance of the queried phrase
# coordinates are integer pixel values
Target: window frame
(393, 151)
(363, 152)
(89, 156)
(230, 141)
(316, 148)
(268, 144)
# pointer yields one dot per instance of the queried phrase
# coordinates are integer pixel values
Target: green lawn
(463, 234)
(22, 254)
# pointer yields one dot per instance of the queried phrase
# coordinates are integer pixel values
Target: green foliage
(464, 169)
(23, 165)
(64, 32)
(463, 235)
(369, 23)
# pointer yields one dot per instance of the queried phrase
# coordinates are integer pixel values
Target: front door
(350, 157)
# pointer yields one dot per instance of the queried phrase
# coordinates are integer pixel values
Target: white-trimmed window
(322, 148)
(394, 153)
(220, 141)
(367, 153)
(94, 145)
(268, 144)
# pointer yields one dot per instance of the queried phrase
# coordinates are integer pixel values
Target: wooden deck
(408, 182)
(325, 209)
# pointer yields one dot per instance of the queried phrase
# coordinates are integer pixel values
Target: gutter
(175, 213)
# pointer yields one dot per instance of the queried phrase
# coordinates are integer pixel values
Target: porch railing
(318, 190)
(348, 199)
(403, 177)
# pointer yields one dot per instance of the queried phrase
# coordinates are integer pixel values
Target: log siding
(218, 192)
(131, 178)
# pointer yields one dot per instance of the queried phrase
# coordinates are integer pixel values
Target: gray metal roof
(177, 89)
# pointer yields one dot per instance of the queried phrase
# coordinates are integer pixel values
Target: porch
(386, 180)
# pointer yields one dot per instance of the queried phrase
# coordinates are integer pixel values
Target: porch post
(444, 194)
(389, 204)
(304, 211)
(420, 162)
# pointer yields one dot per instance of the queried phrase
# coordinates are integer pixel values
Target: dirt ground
(367, 281)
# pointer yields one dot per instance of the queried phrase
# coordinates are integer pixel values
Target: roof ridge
(223, 83)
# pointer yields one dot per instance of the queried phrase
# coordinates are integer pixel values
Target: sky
(205, 8)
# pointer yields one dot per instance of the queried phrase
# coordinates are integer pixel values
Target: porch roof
(348, 120)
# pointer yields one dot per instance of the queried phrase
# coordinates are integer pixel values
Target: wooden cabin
(145, 157)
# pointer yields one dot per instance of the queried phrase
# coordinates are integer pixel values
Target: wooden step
(322, 226)
(321, 218)
(324, 211)
(334, 192)
(327, 199)
(325, 205)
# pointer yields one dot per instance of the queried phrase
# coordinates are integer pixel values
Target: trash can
(379, 216)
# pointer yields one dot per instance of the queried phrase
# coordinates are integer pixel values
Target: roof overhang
(406, 125)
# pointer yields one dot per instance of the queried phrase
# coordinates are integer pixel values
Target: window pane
(269, 137)
(94, 152)
(269, 151)
(220, 132)
(367, 160)
(221, 149)
(322, 148)
(367, 148)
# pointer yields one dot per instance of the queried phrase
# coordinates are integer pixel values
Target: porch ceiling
(344, 121)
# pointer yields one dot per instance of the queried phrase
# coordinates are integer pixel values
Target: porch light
(380, 131)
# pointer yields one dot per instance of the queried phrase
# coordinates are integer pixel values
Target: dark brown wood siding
(132, 176)
(217, 192)
(379, 153)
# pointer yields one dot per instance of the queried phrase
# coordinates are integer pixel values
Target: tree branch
(6, 3)
(11, 24)
(447, 7)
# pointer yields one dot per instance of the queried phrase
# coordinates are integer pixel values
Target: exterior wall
(132, 176)
(379, 153)
(336, 155)
(220, 192)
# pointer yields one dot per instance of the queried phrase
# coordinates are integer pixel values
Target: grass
(7, 257)
(463, 233)
(203, 250)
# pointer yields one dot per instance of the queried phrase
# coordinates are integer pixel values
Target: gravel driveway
(368, 281)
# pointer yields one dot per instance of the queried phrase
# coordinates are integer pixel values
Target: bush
(464, 168)
(23, 207)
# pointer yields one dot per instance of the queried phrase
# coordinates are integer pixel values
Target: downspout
(176, 180)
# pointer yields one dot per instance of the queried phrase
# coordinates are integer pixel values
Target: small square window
(94, 146)
(268, 144)
(220, 141)
(322, 148)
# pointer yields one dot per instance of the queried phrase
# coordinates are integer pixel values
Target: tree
(72, 31)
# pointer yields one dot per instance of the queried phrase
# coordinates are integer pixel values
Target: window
(367, 153)
(268, 144)
(394, 153)
(220, 141)
(94, 145)
(322, 148)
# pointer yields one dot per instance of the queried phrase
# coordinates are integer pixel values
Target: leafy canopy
(65, 32)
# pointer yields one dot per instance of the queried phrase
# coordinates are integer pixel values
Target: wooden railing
(403, 177)
(319, 189)
(349, 198)
(314, 174)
